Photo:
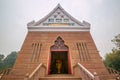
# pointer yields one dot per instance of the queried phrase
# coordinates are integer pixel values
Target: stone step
(60, 77)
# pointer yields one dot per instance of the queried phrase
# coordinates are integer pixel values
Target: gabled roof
(52, 12)
(82, 25)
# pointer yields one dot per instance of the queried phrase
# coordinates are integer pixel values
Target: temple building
(58, 47)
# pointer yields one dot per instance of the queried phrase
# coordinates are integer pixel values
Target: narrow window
(58, 20)
(66, 20)
(50, 20)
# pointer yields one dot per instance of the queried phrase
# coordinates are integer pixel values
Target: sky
(103, 15)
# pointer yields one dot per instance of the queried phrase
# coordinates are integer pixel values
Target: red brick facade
(81, 49)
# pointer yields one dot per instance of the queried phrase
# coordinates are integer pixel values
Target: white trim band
(58, 28)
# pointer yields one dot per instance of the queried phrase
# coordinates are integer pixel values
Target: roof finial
(58, 4)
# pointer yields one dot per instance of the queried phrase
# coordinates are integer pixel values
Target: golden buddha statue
(58, 65)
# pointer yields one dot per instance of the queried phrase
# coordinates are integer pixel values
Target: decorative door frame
(59, 46)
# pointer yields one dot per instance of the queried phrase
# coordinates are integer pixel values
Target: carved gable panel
(59, 45)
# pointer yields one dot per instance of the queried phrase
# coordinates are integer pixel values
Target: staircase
(38, 74)
(34, 75)
(113, 75)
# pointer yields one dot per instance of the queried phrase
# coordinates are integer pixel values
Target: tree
(113, 59)
(1, 57)
(116, 41)
(8, 61)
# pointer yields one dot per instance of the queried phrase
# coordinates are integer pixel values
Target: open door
(59, 58)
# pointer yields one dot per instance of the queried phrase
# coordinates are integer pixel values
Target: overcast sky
(103, 15)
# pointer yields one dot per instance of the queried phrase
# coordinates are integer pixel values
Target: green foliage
(1, 57)
(113, 59)
(9, 60)
(116, 41)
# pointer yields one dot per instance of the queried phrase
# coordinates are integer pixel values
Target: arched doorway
(59, 58)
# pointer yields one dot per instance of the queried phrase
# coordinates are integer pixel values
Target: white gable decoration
(58, 20)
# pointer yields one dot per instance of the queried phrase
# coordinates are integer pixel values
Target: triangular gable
(57, 17)
(58, 20)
